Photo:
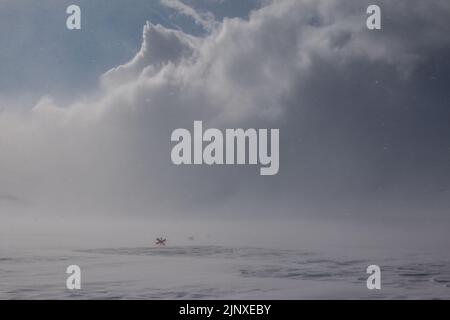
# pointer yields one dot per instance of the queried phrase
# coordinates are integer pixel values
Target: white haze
(101, 165)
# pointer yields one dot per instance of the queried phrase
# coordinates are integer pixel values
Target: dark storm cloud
(363, 118)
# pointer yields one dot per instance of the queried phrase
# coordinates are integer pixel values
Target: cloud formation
(361, 117)
(205, 19)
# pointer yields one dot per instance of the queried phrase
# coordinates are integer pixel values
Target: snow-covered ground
(215, 272)
(223, 260)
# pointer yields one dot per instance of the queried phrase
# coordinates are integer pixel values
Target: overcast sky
(86, 116)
